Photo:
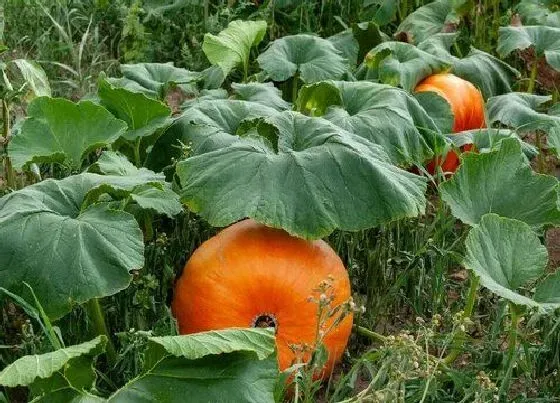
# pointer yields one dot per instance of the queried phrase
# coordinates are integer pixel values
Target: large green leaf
(347, 45)
(192, 347)
(522, 112)
(545, 41)
(143, 115)
(501, 182)
(58, 130)
(263, 93)
(203, 127)
(314, 99)
(428, 20)
(438, 109)
(382, 12)
(313, 178)
(490, 74)
(400, 64)
(69, 251)
(539, 12)
(156, 77)
(34, 77)
(131, 85)
(154, 194)
(353, 43)
(382, 114)
(547, 292)
(507, 255)
(232, 365)
(231, 47)
(310, 57)
(113, 163)
(487, 140)
(30, 368)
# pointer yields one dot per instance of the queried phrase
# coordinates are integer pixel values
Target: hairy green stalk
(540, 158)
(97, 319)
(515, 314)
(295, 87)
(137, 151)
(362, 331)
(8, 169)
(459, 337)
(532, 77)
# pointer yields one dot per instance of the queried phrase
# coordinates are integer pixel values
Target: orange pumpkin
(252, 275)
(467, 106)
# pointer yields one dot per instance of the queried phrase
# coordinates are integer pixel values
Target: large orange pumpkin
(253, 275)
(467, 106)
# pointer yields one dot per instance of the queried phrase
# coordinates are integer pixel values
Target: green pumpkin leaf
(347, 46)
(501, 182)
(66, 395)
(428, 20)
(156, 77)
(488, 73)
(154, 194)
(30, 368)
(547, 292)
(58, 130)
(231, 47)
(237, 365)
(438, 109)
(143, 115)
(314, 99)
(131, 85)
(112, 163)
(384, 11)
(198, 345)
(34, 76)
(304, 187)
(203, 127)
(400, 64)
(539, 12)
(507, 255)
(487, 140)
(263, 93)
(162, 199)
(545, 41)
(310, 57)
(368, 36)
(382, 114)
(72, 383)
(67, 252)
(522, 112)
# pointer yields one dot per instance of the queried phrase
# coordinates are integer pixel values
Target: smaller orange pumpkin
(467, 106)
(250, 275)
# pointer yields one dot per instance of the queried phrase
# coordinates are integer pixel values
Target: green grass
(407, 274)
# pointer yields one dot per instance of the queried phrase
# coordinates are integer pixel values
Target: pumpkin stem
(265, 320)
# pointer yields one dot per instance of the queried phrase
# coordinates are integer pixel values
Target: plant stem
(532, 78)
(295, 87)
(370, 333)
(403, 9)
(206, 12)
(137, 151)
(8, 170)
(540, 157)
(459, 338)
(495, 19)
(97, 319)
(512, 347)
